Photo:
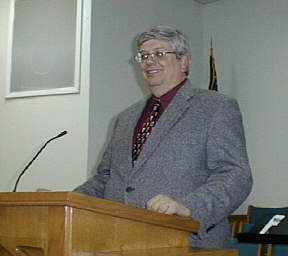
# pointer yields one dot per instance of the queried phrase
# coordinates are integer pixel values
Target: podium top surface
(97, 205)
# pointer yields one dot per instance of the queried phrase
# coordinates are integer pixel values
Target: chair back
(256, 213)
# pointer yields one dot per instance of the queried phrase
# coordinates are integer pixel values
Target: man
(183, 155)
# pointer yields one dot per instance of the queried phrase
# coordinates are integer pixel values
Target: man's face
(162, 74)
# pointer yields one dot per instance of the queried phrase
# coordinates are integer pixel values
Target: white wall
(250, 39)
(26, 123)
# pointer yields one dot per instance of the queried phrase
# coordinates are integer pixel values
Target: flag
(213, 85)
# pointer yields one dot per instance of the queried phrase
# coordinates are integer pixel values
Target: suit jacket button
(129, 189)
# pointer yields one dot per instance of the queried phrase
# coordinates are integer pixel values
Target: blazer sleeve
(95, 185)
(230, 179)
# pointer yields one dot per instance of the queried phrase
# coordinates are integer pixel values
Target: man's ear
(185, 62)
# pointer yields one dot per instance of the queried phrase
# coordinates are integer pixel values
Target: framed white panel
(44, 47)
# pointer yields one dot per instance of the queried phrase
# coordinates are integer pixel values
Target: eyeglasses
(158, 54)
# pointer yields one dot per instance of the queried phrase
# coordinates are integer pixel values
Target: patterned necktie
(146, 129)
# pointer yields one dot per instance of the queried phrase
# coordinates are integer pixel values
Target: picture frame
(44, 55)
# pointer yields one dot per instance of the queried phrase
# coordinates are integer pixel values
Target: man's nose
(151, 58)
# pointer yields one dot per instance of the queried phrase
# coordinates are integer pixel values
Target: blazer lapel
(127, 130)
(169, 117)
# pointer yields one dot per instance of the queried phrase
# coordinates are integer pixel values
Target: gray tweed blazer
(196, 154)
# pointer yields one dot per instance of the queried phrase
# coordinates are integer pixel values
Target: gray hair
(178, 40)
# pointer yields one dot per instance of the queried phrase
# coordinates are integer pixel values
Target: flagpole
(213, 75)
(211, 47)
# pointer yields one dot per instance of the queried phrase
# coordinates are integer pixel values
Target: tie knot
(156, 104)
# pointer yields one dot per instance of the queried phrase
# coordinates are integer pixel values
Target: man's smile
(151, 71)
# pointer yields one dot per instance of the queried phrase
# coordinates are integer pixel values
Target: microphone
(36, 155)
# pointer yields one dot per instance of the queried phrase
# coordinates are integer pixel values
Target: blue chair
(245, 249)
(279, 250)
(255, 214)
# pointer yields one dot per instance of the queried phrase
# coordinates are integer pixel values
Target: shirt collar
(166, 98)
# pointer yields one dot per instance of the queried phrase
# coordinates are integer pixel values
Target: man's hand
(167, 205)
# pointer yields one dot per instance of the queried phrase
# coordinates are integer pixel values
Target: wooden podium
(72, 224)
